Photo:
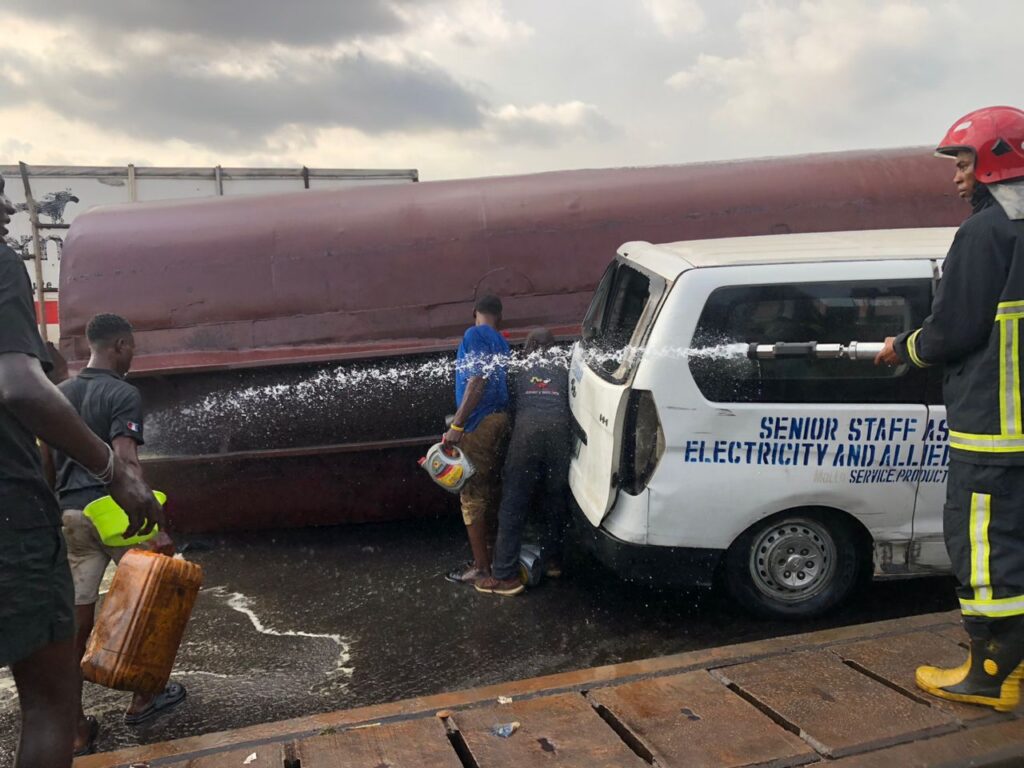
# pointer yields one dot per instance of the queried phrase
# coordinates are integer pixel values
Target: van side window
(822, 312)
(622, 298)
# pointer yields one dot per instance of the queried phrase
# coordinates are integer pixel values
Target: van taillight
(643, 441)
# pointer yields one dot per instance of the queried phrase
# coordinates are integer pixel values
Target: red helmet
(996, 137)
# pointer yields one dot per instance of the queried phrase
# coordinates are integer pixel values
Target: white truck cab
(791, 478)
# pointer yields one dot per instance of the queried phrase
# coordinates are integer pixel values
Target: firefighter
(975, 332)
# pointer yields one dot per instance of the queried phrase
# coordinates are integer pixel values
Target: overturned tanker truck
(294, 350)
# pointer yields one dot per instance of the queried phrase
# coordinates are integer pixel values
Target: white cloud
(822, 59)
(471, 87)
(676, 17)
(463, 22)
(548, 123)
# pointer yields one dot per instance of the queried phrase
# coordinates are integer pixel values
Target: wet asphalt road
(293, 623)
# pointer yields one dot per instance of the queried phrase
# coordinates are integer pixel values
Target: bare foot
(85, 732)
(139, 703)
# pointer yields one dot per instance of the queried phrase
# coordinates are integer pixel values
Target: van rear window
(616, 315)
(822, 312)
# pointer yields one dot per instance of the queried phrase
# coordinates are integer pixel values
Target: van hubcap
(793, 560)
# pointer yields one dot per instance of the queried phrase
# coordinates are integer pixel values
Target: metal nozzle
(864, 350)
(855, 350)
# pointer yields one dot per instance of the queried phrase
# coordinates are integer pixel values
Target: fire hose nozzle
(863, 350)
(855, 350)
(781, 349)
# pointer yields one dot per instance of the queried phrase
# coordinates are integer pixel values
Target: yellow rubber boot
(990, 677)
(939, 677)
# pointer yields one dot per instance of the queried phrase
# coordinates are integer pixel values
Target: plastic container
(141, 622)
(447, 466)
(531, 569)
(110, 521)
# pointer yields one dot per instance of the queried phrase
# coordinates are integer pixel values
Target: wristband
(107, 475)
(457, 428)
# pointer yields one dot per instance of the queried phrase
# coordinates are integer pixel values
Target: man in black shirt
(36, 621)
(538, 459)
(113, 410)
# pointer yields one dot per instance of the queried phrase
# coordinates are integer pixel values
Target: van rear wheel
(795, 565)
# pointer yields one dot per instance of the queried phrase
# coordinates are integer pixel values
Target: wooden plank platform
(834, 708)
(693, 720)
(842, 697)
(411, 744)
(561, 730)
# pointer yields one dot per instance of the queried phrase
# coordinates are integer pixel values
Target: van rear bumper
(659, 566)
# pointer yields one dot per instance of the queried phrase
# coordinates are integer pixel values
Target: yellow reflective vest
(974, 331)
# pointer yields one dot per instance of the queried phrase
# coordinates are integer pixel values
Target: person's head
(487, 310)
(112, 342)
(963, 176)
(988, 147)
(538, 339)
(6, 209)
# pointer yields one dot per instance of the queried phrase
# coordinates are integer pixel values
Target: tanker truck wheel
(796, 564)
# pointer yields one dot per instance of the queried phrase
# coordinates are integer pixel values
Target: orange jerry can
(139, 627)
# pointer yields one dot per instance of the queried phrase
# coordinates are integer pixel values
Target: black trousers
(538, 461)
(983, 522)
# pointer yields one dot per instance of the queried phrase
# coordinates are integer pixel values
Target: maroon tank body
(250, 294)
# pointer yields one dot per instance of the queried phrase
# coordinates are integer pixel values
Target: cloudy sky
(481, 87)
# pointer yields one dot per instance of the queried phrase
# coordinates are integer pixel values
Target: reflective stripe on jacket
(975, 332)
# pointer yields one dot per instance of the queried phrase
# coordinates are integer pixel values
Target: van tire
(820, 549)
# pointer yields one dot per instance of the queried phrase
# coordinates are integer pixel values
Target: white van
(793, 478)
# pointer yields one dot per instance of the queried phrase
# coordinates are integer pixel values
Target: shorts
(36, 608)
(485, 447)
(88, 556)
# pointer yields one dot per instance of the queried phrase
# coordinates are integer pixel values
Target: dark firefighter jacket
(975, 331)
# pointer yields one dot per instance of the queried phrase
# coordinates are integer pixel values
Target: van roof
(861, 245)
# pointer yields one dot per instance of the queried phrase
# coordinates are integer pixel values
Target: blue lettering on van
(877, 449)
(937, 431)
(880, 428)
(798, 428)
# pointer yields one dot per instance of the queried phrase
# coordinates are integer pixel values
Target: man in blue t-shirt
(480, 430)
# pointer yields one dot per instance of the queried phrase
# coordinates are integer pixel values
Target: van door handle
(578, 430)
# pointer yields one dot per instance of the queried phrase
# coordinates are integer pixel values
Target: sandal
(169, 697)
(467, 573)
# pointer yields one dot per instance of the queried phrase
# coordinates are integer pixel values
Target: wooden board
(692, 720)
(409, 744)
(559, 731)
(266, 756)
(896, 658)
(956, 633)
(837, 710)
(1000, 744)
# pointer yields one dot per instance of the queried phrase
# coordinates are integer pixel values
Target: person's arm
(43, 410)
(964, 307)
(470, 400)
(49, 468)
(59, 371)
(127, 450)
